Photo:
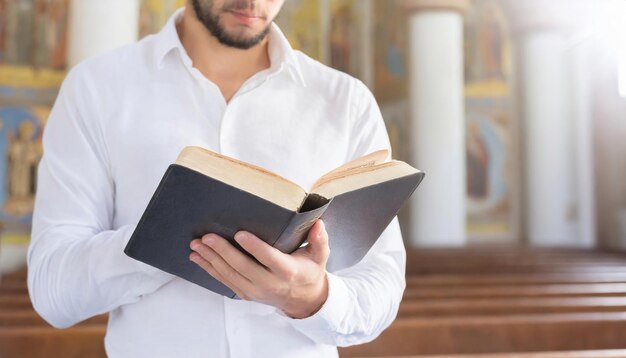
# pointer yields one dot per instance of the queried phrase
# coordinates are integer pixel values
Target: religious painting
(3, 29)
(301, 22)
(396, 116)
(348, 34)
(51, 22)
(390, 32)
(21, 150)
(34, 33)
(20, 146)
(153, 14)
(26, 97)
(18, 31)
(33, 59)
(490, 158)
(487, 45)
(25, 85)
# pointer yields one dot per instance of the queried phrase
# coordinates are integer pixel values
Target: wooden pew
(462, 301)
(30, 318)
(605, 353)
(512, 260)
(514, 279)
(496, 252)
(12, 287)
(15, 302)
(38, 341)
(494, 334)
(515, 291)
(509, 306)
(487, 268)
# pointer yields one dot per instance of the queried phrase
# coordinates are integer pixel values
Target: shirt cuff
(328, 318)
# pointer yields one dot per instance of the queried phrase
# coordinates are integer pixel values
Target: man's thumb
(318, 242)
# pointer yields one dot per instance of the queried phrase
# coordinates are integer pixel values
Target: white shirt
(120, 119)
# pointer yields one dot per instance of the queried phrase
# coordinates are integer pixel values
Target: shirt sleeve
(76, 265)
(363, 299)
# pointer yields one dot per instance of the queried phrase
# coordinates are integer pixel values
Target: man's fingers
(223, 268)
(269, 256)
(234, 258)
(206, 266)
(318, 243)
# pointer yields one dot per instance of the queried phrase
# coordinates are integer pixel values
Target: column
(96, 26)
(583, 136)
(558, 160)
(437, 121)
(548, 140)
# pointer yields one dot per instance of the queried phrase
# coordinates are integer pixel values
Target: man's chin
(242, 40)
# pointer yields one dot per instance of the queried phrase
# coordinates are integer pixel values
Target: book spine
(295, 232)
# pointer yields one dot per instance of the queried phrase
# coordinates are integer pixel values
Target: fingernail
(241, 237)
(208, 239)
(319, 233)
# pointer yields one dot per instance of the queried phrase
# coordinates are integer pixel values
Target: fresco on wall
(390, 51)
(487, 47)
(34, 33)
(493, 212)
(20, 149)
(20, 146)
(33, 56)
(346, 36)
(153, 14)
(396, 121)
(492, 183)
(301, 22)
(26, 97)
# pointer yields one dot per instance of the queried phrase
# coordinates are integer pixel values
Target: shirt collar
(280, 51)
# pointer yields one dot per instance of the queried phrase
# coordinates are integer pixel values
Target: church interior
(516, 111)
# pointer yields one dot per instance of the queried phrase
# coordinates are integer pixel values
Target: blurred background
(516, 110)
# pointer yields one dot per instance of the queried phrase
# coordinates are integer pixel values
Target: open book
(206, 192)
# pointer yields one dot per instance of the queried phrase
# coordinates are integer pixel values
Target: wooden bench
(494, 252)
(33, 342)
(514, 279)
(509, 306)
(605, 353)
(462, 301)
(497, 334)
(30, 318)
(516, 291)
(485, 268)
(13, 287)
(512, 260)
(15, 302)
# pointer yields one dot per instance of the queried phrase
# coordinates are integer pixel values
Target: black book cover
(356, 219)
(188, 205)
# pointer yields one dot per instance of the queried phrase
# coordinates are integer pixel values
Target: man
(220, 75)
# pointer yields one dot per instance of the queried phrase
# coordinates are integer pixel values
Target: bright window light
(612, 27)
(619, 27)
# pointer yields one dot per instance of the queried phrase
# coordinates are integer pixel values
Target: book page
(362, 177)
(368, 160)
(245, 176)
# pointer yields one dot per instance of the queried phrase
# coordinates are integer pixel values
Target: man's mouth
(246, 18)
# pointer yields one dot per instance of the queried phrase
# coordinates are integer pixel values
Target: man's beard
(211, 21)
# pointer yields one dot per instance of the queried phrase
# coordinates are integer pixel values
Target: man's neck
(228, 67)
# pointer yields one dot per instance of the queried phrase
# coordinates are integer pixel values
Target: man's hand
(294, 283)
